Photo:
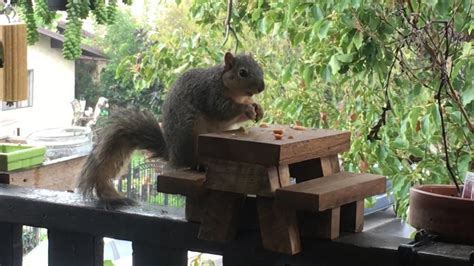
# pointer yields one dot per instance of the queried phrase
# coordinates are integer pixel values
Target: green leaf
(425, 126)
(178, 2)
(467, 95)
(317, 13)
(357, 39)
(463, 164)
(326, 74)
(400, 143)
(416, 151)
(432, 3)
(345, 58)
(323, 30)
(435, 115)
(335, 66)
(287, 73)
(264, 25)
(416, 90)
(308, 75)
(291, 10)
(382, 152)
(181, 68)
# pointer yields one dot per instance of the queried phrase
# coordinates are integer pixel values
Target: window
(26, 103)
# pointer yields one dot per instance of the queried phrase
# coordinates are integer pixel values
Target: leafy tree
(394, 73)
(123, 39)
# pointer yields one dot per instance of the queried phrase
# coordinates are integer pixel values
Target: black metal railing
(161, 236)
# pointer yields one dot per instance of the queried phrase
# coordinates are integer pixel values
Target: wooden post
(195, 207)
(74, 249)
(323, 225)
(220, 219)
(13, 65)
(278, 226)
(149, 254)
(11, 245)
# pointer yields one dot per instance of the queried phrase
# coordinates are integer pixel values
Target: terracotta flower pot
(437, 209)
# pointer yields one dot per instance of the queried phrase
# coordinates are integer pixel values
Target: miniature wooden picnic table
(253, 163)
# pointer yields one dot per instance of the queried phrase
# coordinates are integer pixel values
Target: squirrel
(202, 100)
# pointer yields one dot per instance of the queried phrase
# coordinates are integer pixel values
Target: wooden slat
(74, 249)
(244, 177)
(195, 207)
(278, 227)
(59, 175)
(184, 182)
(258, 145)
(330, 165)
(220, 220)
(331, 191)
(11, 245)
(14, 74)
(148, 254)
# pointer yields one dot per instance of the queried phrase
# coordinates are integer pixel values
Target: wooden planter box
(437, 209)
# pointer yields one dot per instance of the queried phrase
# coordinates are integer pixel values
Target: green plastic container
(19, 156)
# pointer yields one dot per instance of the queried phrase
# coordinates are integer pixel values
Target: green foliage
(100, 11)
(198, 261)
(374, 68)
(42, 13)
(28, 15)
(118, 40)
(112, 10)
(108, 263)
(77, 10)
(73, 31)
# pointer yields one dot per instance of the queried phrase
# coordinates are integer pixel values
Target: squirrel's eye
(243, 73)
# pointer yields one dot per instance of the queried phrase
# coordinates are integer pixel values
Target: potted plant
(445, 42)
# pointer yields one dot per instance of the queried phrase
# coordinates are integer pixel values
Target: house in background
(51, 80)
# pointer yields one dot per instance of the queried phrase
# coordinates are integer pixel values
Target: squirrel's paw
(259, 112)
(251, 112)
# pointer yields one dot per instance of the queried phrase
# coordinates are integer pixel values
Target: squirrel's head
(242, 74)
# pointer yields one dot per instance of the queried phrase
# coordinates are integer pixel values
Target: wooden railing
(162, 236)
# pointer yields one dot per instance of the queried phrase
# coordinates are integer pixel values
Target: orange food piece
(278, 131)
(264, 125)
(296, 127)
(278, 136)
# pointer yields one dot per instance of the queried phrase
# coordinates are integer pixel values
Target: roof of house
(57, 41)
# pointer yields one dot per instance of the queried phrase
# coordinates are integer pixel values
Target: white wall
(53, 92)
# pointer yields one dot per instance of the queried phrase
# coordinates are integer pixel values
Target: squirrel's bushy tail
(124, 131)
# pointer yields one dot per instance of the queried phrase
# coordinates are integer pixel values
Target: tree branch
(444, 80)
(228, 26)
(373, 134)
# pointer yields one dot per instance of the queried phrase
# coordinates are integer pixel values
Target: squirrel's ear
(228, 60)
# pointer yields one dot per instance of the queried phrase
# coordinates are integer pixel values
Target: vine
(28, 15)
(77, 10)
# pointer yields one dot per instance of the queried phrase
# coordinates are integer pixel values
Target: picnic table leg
(220, 219)
(278, 226)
